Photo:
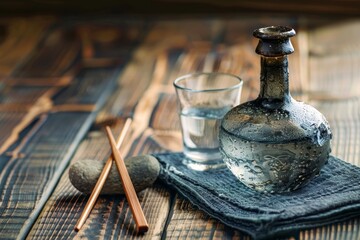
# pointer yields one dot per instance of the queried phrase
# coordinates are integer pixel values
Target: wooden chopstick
(101, 181)
(138, 214)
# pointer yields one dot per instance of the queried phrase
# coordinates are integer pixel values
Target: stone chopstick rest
(143, 171)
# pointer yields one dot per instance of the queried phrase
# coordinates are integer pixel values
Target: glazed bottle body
(265, 160)
(274, 143)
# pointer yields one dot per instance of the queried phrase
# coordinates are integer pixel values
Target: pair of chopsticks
(140, 220)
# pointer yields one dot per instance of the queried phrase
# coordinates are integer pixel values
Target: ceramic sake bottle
(274, 143)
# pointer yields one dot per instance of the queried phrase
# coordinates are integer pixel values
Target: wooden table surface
(62, 79)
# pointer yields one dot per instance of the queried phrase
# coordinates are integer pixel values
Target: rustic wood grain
(88, 86)
(19, 37)
(81, 95)
(30, 113)
(334, 60)
(25, 180)
(144, 74)
(21, 95)
(119, 224)
(9, 121)
(132, 85)
(111, 217)
(333, 88)
(110, 38)
(53, 56)
(28, 179)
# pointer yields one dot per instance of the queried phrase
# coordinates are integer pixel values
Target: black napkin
(332, 197)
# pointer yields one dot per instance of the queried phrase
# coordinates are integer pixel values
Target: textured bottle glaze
(270, 167)
(275, 150)
(274, 143)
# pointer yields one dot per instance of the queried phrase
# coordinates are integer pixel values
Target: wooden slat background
(63, 79)
(181, 7)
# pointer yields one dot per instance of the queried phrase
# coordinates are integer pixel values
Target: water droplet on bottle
(258, 169)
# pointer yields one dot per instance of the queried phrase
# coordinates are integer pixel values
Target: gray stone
(143, 171)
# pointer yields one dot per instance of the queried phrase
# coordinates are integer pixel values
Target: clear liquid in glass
(200, 129)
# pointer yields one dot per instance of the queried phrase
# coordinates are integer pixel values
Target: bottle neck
(274, 81)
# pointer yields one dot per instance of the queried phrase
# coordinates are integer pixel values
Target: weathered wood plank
(83, 94)
(19, 36)
(333, 88)
(344, 119)
(132, 84)
(52, 58)
(21, 95)
(165, 107)
(16, 95)
(109, 38)
(334, 61)
(157, 208)
(335, 77)
(8, 121)
(348, 230)
(27, 180)
(88, 86)
(30, 111)
(118, 223)
(150, 62)
(111, 217)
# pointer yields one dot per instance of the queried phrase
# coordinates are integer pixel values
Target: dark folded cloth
(331, 197)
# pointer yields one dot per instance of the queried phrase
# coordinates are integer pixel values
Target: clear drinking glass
(203, 100)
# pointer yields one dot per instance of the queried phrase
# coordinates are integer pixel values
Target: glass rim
(197, 74)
